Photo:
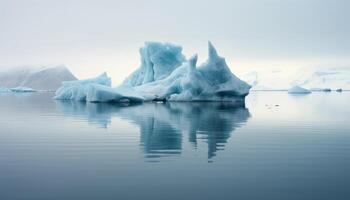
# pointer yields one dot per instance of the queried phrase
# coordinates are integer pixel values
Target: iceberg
(166, 75)
(22, 89)
(298, 90)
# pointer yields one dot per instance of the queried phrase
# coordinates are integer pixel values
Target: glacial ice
(16, 90)
(158, 60)
(77, 90)
(165, 75)
(22, 89)
(298, 90)
(123, 94)
(212, 81)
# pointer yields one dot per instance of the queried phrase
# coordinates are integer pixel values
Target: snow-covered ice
(36, 77)
(164, 74)
(298, 90)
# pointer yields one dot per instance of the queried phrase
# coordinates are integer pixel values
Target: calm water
(279, 146)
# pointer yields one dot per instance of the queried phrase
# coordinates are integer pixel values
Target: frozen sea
(279, 146)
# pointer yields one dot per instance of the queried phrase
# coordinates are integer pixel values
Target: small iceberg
(4, 90)
(339, 90)
(298, 90)
(22, 89)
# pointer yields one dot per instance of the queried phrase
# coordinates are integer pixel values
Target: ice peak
(193, 61)
(212, 53)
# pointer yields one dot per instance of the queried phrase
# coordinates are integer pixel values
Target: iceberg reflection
(163, 126)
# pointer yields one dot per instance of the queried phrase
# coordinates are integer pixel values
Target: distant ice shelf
(298, 90)
(2, 89)
(314, 78)
(22, 89)
(164, 75)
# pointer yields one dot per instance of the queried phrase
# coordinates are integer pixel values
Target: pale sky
(91, 37)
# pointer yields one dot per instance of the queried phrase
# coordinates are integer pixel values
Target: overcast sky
(95, 36)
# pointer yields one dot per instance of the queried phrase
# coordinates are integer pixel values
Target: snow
(298, 90)
(36, 77)
(164, 74)
(22, 89)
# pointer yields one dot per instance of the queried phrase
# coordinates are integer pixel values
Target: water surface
(278, 146)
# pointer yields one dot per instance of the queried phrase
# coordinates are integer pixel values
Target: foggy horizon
(90, 37)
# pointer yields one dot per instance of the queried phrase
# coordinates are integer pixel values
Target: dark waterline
(278, 146)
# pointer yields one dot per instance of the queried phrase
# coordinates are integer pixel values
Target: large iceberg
(165, 75)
